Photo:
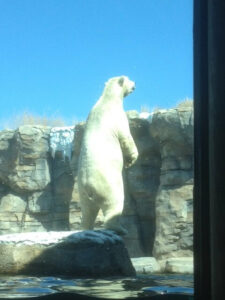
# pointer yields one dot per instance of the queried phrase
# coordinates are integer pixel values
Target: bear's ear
(121, 81)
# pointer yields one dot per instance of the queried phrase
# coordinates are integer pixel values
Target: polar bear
(107, 146)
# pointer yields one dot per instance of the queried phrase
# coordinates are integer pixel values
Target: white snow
(53, 237)
(146, 115)
(61, 139)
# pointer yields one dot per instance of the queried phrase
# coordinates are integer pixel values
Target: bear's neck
(112, 95)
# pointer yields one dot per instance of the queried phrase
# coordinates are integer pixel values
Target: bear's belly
(101, 152)
(100, 171)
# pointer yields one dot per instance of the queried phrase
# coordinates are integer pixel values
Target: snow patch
(53, 237)
(61, 139)
(146, 115)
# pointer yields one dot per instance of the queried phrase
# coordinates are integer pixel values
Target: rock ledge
(78, 253)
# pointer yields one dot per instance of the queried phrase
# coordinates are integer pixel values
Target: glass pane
(127, 168)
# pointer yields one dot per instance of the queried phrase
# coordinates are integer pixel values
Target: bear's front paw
(131, 160)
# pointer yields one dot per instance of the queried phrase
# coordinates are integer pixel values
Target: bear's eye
(121, 81)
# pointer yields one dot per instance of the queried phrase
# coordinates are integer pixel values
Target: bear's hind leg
(112, 213)
(89, 212)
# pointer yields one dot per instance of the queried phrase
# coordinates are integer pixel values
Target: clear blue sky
(55, 55)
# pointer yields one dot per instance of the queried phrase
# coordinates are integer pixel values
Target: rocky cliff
(38, 190)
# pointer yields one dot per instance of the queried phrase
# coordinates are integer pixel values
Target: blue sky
(55, 55)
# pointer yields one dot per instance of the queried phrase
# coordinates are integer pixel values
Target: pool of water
(147, 287)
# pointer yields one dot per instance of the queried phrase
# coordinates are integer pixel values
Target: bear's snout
(133, 87)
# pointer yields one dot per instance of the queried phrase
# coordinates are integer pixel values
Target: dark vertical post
(201, 186)
(209, 194)
(216, 63)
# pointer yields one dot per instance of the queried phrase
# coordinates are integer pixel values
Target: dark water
(146, 287)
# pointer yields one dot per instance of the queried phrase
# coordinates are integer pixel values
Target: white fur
(107, 146)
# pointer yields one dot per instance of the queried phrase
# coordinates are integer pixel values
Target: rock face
(141, 185)
(83, 254)
(25, 179)
(173, 130)
(31, 198)
(38, 192)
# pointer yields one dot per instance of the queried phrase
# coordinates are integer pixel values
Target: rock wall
(38, 192)
(173, 130)
(34, 193)
(141, 185)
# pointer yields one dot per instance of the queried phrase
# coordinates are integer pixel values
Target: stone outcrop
(32, 198)
(25, 180)
(173, 129)
(146, 265)
(38, 192)
(141, 185)
(83, 254)
(177, 265)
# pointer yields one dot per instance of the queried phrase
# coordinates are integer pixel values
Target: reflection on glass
(56, 58)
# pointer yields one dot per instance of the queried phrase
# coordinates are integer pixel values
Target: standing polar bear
(107, 146)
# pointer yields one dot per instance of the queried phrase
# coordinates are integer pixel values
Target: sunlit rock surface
(84, 254)
(141, 185)
(35, 189)
(24, 158)
(38, 188)
(173, 129)
(177, 265)
(146, 265)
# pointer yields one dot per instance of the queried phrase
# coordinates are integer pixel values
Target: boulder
(81, 253)
(178, 265)
(145, 265)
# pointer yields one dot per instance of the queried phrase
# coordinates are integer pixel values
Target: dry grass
(28, 118)
(145, 108)
(187, 102)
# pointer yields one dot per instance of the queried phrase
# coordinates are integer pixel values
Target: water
(146, 287)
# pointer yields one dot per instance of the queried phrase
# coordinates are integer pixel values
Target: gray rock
(141, 185)
(30, 171)
(83, 254)
(43, 184)
(39, 192)
(40, 202)
(74, 205)
(23, 158)
(178, 265)
(145, 265)
(173, 129)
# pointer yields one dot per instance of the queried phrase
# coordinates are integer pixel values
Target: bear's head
(121, 85)
(127, 85)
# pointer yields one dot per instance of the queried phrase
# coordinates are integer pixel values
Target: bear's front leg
(129, 161)
(130, 152)
(127, 144)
